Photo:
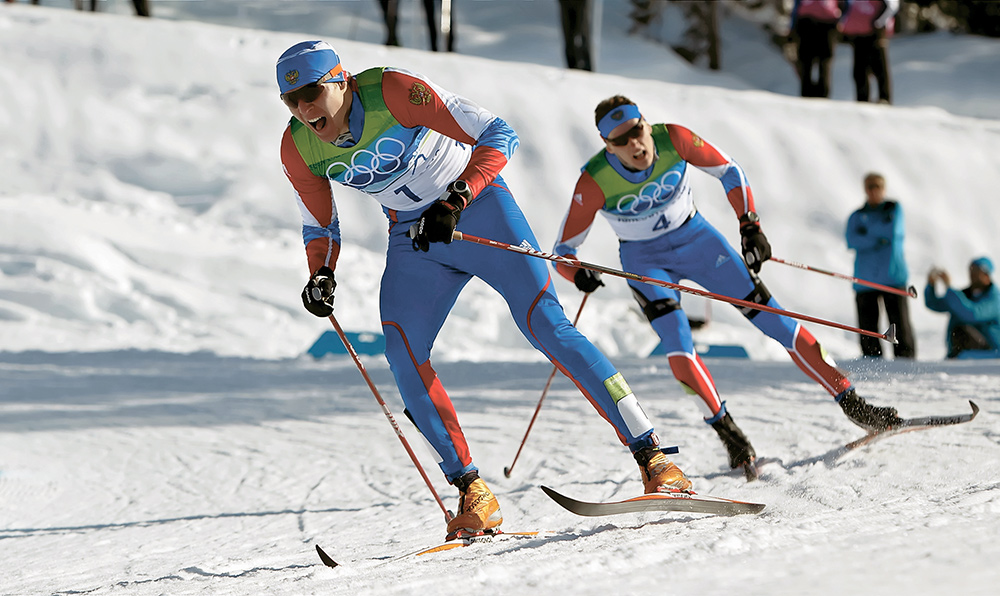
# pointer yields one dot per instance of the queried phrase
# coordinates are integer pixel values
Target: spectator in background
(141, 6)
(875, 232)
(814, 28)
(575, 18)
(868, 25)
(390, 12)
(975, 311)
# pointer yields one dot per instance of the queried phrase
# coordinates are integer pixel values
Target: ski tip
(329, 562)
(563, 500)
(975, 408)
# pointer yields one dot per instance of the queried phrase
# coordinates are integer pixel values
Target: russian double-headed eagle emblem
(419, 95)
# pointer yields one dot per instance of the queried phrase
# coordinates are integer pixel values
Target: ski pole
(510, 468)
(911, 291)
(385, 410)
(889, 336)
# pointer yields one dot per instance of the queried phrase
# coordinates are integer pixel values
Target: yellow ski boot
(478, 509)
(659, 474)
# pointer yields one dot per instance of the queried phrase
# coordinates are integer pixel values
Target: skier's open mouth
(318, 124)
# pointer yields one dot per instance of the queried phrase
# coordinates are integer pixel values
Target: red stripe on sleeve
(484, 166)
(317, 196)
(588, 199)
(741, 204)
(694, 149)
(415, 103)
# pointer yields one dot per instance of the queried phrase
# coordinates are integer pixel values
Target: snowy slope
(145, 206)
(160, 432)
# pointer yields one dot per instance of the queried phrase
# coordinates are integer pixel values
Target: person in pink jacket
(867, 26)
(814, 28)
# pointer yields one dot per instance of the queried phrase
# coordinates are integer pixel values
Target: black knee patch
(656, 308)
(759, 295)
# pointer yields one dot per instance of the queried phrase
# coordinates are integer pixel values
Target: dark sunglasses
(307, 93)
(632, 133)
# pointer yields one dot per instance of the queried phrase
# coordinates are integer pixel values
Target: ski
(460, 542)
(325, 558)
(464, 541)
(912, 424)
(686, 502)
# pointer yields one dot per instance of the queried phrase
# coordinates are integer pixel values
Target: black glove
(756, 248)
(587, 280)
(437, 222)
(317, 296)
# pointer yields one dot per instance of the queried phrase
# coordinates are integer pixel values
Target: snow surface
(161, 431)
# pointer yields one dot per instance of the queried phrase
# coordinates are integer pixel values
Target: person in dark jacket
(814, 28)
(443, 25)
(875, 232)
(974, 325)
(867, 26)
(575, 16)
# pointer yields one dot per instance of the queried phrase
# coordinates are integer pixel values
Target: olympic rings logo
(368, 167)
(651, 195)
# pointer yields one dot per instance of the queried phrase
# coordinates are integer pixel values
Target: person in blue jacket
(975, 311)
(875, 232)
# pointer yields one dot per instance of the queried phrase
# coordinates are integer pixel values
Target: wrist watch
(460, 187)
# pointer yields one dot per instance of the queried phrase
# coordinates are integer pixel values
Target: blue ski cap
(983, 263)
(612, 119)
(307, 62)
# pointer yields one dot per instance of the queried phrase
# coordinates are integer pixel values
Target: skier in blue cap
(433, 159)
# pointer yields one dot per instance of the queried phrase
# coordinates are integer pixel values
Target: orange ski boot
(659, 474)
(478, 509)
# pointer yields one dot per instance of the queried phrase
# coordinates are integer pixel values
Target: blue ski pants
(419, 289)
(696, 251)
